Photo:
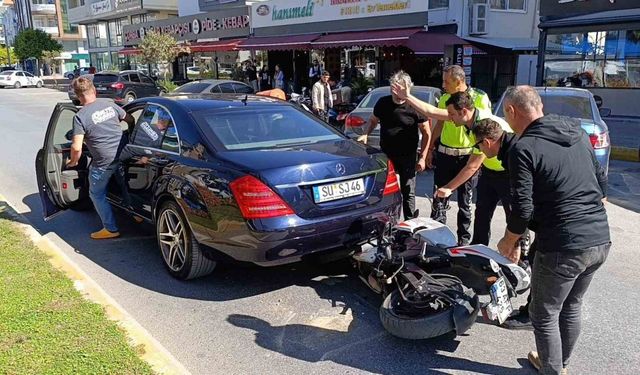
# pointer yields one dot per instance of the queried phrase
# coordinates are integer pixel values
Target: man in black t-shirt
(399, 127)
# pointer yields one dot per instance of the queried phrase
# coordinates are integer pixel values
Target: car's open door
(59, 188)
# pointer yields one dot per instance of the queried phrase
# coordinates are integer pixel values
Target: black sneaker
(519, 320)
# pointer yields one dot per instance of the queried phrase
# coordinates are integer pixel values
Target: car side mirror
(605, 112)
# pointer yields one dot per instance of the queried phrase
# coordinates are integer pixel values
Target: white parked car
(19, 78)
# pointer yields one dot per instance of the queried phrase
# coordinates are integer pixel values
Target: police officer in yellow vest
(453, 158)
(493, 183)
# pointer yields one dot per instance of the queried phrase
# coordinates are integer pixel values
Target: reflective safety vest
(490, 163)
(457, 136)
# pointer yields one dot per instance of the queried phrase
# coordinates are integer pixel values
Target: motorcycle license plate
(338, 190)
(500, 296)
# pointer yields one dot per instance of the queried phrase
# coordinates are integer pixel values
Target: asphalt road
(308, 318)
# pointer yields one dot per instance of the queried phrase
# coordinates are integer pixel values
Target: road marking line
(153, 352)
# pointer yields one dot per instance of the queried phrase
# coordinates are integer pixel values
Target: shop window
(438, 4)
(511, 5)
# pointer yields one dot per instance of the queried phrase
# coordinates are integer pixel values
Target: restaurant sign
(290, 12)
(229, 23)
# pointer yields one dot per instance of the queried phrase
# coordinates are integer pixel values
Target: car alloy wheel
(173, 239)
(129, 97)
(39, 84)
(17, 85)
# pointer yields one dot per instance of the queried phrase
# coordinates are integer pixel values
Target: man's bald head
(521, 106)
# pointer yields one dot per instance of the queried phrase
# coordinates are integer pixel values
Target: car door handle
(159, 161)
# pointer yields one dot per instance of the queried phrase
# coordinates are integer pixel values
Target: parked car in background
(19, 78)
(82, 71)
(125, 86)
(580, 104)
(253, 178)
(72, 95)
(357, 122)
(215, 86)
(194, 71)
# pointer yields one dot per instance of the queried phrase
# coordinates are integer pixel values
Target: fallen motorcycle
(430, 285)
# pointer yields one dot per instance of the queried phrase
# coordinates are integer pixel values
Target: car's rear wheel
(180, 251)
(17, 85)
(129, 97)
(39, 84)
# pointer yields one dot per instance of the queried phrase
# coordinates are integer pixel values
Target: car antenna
(246, 98)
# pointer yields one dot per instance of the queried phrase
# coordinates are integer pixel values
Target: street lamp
(6, 44)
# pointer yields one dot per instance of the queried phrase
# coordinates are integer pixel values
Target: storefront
(212, 38)
(593, 45)
(369, 39)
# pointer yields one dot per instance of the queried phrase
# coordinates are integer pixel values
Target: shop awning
(219, 45)
(274, 43)
(394, 37)
(426, 43)
(129, 51)
(514, 44)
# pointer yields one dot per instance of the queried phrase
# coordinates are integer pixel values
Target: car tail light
(9, 78)
(117, 85)
(391, 186)
(599, 140)
(256, 200)
(354, 121)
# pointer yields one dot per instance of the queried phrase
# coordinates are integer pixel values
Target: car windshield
(563, 104)
(105, 78)
(370, 100)
(265, 128)
(193, 87)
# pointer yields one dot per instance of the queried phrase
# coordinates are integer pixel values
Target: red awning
(219, 45)
(275, 43)
(129, 51)
(394, 37)
(425, 43)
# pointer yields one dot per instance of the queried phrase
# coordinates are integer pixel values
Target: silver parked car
(357, 121)
(580, 104)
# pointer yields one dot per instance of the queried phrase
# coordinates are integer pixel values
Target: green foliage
(167, 85)
(3, 56)
(158, 48)
(46, 326)
(361, 85)
(33, 43)
(49, 56)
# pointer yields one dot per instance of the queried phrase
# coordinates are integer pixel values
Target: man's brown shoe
(104, 234)
(534, 359)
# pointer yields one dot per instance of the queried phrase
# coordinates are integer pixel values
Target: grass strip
(46, 326)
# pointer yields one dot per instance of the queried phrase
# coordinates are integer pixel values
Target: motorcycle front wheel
(413, 327)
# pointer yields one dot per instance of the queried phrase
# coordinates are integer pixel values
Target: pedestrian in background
(265, 78)
(97, 124)
(314, 73)
(278, 78)
(251, 75)
(321, 97)
(556, 183)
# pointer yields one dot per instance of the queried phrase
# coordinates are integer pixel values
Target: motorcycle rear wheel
(414, 328)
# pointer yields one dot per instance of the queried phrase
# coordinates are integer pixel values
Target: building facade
(593, 45)
(104, 21)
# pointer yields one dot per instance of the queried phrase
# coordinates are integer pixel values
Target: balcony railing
(43, 8)
(53, 30)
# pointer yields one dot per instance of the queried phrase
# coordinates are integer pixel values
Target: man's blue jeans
(99, 180)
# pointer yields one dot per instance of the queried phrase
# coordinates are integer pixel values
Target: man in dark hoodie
(557, 184)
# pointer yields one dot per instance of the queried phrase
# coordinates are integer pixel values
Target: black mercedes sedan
(231, 176)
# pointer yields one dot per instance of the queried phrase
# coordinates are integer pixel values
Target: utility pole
(6, 44)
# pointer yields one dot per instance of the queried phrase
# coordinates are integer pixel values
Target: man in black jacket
(557, 184)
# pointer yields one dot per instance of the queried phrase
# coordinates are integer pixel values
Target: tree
(32, 43)
(3, 56)
(161, 49)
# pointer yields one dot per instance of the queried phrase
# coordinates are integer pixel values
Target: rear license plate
(338, 190)
(500, 296)
(101, 88)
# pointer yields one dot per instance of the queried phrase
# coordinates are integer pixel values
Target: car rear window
(193, 87)
(105, 78)
(563, 104)
(370, 100)
(7, 73)
(265, 128)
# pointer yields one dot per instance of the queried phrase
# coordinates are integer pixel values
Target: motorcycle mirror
(494, 265)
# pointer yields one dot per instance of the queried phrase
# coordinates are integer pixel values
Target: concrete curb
(151, 351)
(625, 153)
